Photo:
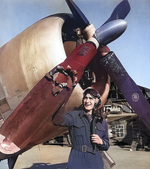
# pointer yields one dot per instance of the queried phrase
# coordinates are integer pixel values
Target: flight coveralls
(82, 155)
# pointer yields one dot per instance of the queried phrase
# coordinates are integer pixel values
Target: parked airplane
(32, 98)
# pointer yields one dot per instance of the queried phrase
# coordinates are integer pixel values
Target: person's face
(88, 103)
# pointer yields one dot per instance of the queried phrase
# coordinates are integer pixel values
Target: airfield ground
(56, 156)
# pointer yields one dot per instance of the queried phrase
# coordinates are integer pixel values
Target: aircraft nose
(7, 147)
(110, 31)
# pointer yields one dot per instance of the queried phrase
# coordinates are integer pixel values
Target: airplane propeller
(39, 102)
(108, 32)
(102, 33)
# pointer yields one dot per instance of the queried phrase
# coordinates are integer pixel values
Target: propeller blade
(115, 25)
(77, 13)
(110, 31)
(120, 12)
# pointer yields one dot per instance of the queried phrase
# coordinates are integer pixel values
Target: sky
(132, 48)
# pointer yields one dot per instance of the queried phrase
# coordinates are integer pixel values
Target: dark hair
(93, 93)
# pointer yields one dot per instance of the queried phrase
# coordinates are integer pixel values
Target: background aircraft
(16, 94)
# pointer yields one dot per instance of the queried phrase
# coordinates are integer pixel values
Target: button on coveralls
(79, 130)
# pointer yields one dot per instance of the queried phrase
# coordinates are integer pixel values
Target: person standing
(86, 144)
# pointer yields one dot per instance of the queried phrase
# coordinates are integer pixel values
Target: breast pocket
(100, 130)
(78, 128)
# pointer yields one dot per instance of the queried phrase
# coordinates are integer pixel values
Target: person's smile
(88, 103)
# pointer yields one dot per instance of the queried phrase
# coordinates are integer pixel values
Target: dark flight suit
(82, 157)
